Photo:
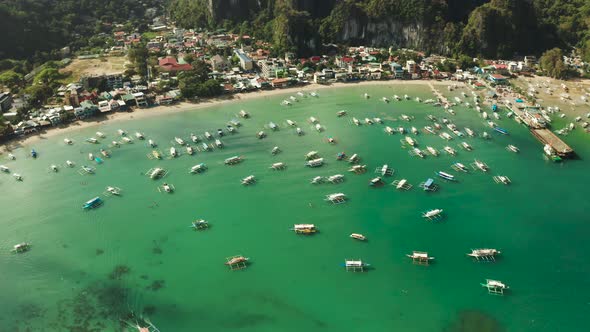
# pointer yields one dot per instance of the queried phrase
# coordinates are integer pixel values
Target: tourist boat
(405, 118)
(220, 132)
(336, 178)
(368, 121)
(157, 173)
(152, 143)
(418, 100)
(293, 98)
(318, 127)
(418, 152)
(273, 126)
(139, 135)
(432, 151)
(168, 188)
(355, 265)
(501, 130)
(469, 132)
(100, 135)
(414, 131)
(512, 148)
(54, 168)
(478, 109)
(173, 152)
(248, 180)
(311, 155)
(305, 229)
(340, 156)
(446, 176)
(127, 140)
(93, 203)
(230, 129)
(458, 100)
(420, 256)
(21, 247)
(358, 169)
(502, 179)
(90, 157)
(4, 169)
(105, 153)
(385, 99)
(466, 146)
(156, 154)
(446, 136)
(11, 156)
(389, 130)
(429, 129)
(433, 214)
(450, 150)
(115, 143)
(437, 126)
(484, 115)
(376, 182)
(237, 260)
(114, 191)
(208, 135)
(244, 114)
(88, 169)
(312, 119)
(340, 113)
(314, 94)
(278, 166)
(190, 150)
(291, 123)
(485, 135)
(92, 140)
(460, 167)
(496, 115)
(233, 160)
(122, 132)
(401, 130)
(17, 176)
(495, 286)
(410, 141)
(205, 146)
(317, 180)
(218, 144)
(396, 97)
(261, 134)
(275, 150)
(200, 224)
(385, 170)
(299, 131)
(482, 166)
(354, 158)
(194, 138)
(366, 95)
(356, 121)
(199, 168)
(68, 141)
(315, 162)
(358, 236)
(179, 140)
(484, 253)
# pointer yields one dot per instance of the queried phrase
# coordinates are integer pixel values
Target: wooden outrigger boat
(113, 191)
(336, 178)
(156, 173)
(237, 262)
(385, 170)
(167, 188)
(358, 236)
(199, 224)
(435, 214)
(420, 257)
(278, 166)
(495, 287)
(480, 165)
(248, 180)
(199, 168)
(233, 160)
(402, 184)
(304, 229)
(315, 162)
(512, 148)
(355, 265)
(459, 167)
(337, 198)
(317, 180)
(21, 248)
(484, 254)
(502, 179)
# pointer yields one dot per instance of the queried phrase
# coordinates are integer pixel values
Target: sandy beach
(188, 106)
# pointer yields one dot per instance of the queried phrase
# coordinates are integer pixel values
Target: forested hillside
(490, 28)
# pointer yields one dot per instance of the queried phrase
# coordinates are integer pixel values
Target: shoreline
(144, 113)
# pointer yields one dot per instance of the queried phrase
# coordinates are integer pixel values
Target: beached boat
(512, 148)
(4, 169)
(21, 248)
(433, 214)
(244, 114)
(233, 160)
(250, 179)
(199, 168)
(315, 162)
(466, 146)
(92, 203)
(189, 150)
(446, 176)
(358, 236)
(17, 176)
(100, 134)
(11, 156)
(173, 152)
(450, 150)
(261, 134)
(432, 151)
(304, 229)
(278, 166)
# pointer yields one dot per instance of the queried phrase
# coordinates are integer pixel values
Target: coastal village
(243, 65)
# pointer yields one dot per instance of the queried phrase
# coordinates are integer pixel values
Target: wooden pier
(545, 136)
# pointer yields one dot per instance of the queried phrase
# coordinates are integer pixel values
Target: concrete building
(5, 101)
(219, 63)
(245, 61)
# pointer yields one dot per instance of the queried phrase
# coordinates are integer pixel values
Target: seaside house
(219, 63)
(245, 61)
(171, 65)
(281, 82)
(5, 101)
(498, 79)
(87, 109)
(411, 67)
(397, 70)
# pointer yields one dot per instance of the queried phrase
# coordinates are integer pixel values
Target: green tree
(11, 79)
(552, 63)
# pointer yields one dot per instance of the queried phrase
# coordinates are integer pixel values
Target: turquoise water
(136, 253)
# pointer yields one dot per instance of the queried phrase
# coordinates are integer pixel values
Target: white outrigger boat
(199, 224)
(156, 173)
(445, 135)
(429, 130)
(179, 140)
(502, 179)
(21, 248)
(311, 155)
(485, 254)
(417, 152)
(273, 126)
(410, 141)
(54, 168)
(312, 119)
(341, 113)
(92, 140)
(450, 150)
(405, 118)
(314, 94)
(100, 135)
(206, 147)
(337, 198)
(115, 144)
(315, 162)
(233, 160)
(276, 150)
(11, 156)
(336, 178)
(389, 130)
(70, 163)
(368, 121)
(385, 170)
(459, 167)
(291, 123)
(319, 127)
(139, 135)
(299, 131)
(194, 138)
(512, 148)
(354, 159)
(432, 151)
(278, 166)
(248, 180)
(152, 143)
(480, 165)
(433, 214)
(218, 144)
(261, 134)
(366, 96)
(113, 191)
(355, 265)
(167, 188)
(385, 99)
(356, 121)
(402, 184)
(127, 140)
(189, 150)
(244, 114)
(305, 229)
(121, 132)
(199, 168)
(317, 180)
(396, 97)
(466, 146)
(173, 152)
(401, 130)
(17, 176)
(68, 141)
(378, 120)
(420, 257)
(495, 287)
(358, 169)
(358, 236)
(414, 130)
(376, 182)
(4, 169)
(469, 132)
(90, 156)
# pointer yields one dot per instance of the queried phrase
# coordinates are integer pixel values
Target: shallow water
(88, 269)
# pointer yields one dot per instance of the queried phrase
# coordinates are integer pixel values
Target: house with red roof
(170, 65)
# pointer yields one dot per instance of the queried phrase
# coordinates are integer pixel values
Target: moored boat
(305, 229)
(248, 180)
(446, 176)
(233, 160)
(21, 247)
(92, 203)
(358, 236)
(199, 168)
(315, 162)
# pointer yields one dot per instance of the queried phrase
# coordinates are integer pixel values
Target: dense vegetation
(489, 28)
